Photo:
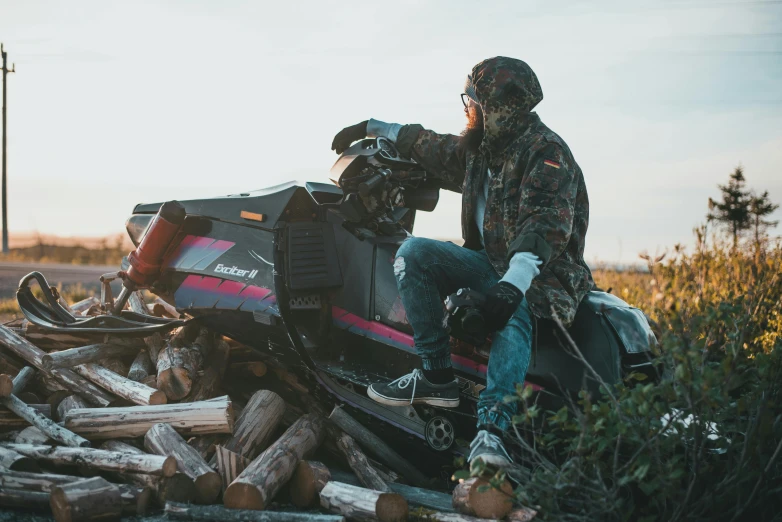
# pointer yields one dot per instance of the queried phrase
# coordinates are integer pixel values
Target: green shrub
(704, 442)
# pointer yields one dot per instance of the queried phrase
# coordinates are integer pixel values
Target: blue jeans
(427, 271)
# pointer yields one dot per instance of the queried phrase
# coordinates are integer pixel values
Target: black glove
(502, 300)
(348, 135)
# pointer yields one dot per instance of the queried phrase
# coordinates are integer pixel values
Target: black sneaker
(489, 448)
(413, 388)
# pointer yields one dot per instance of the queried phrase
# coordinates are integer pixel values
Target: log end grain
(307, 481)
(169, 467)
(158, 397)
(179, 488)
(243, 496)
(47, 362)
(391, 507)
(6, 385)
(175, 382)
(135, 500)
(470, 498)
(208, 487)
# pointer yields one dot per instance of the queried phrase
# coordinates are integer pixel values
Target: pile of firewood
(102, 428)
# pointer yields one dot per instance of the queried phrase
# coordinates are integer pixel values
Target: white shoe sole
(389, 401)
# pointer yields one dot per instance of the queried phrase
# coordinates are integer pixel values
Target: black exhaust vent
(311, 260)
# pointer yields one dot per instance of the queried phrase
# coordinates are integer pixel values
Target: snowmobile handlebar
(378, 181)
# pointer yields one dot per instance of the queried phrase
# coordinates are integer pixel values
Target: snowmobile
(303, 274)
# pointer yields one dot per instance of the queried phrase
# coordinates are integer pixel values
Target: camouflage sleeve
(546, 206)
(439, 154)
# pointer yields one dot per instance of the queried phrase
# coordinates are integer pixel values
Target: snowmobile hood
(507, 90)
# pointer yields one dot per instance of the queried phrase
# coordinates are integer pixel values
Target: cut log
(205, 446)
(49, 340)
(150, 381)
(169, 310)
(522, 514)
(79, 385)
(121, 386)
(70, 402)
(57, 397)
(256, 424)
(34, 481)
(229, 464)
(172, 376)
(163, 440)
(32, 354)
(263, 478)
(85, 304)
(359, 464)
(470, 499)
(49, 384)
(22, 379)
(43, 423)
(32, 435)
(208, 384)
(135, 499)
(387, 474)
(307, 482)
(116, 365)
(136, 303)
(291, 380)
(9, 363)
(10, 420)
(85, 354)
(6, 385)
(142, 367)
(29, 397)
(363, 504)
(177, 488)
(375, 446)
(191, 418)
(178, 511)
(426, 498)
(10, 459)
(90, 499)
(92, 458)
(19, 498)
(154, 344)
(179, 363)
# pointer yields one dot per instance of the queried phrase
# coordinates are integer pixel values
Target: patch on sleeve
(551, 163)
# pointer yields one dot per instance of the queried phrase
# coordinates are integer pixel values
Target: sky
(116, 103)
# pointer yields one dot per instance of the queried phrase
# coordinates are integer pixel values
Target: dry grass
(9, 309)
(95, 251)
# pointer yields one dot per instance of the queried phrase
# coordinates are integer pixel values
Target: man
(524, 218)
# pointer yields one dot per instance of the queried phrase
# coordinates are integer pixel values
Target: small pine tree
(760, 207)
(733, 211)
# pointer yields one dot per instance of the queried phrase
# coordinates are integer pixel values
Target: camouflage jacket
(537, 199)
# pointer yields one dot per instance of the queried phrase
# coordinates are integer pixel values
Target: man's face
(472, 135)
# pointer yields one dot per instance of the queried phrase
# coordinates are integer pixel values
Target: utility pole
(5, 168)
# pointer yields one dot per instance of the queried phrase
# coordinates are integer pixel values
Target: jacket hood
(507, 90)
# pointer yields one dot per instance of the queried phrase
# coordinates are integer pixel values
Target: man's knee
(410, 254)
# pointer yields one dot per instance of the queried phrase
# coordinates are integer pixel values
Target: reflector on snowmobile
(51, 315)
